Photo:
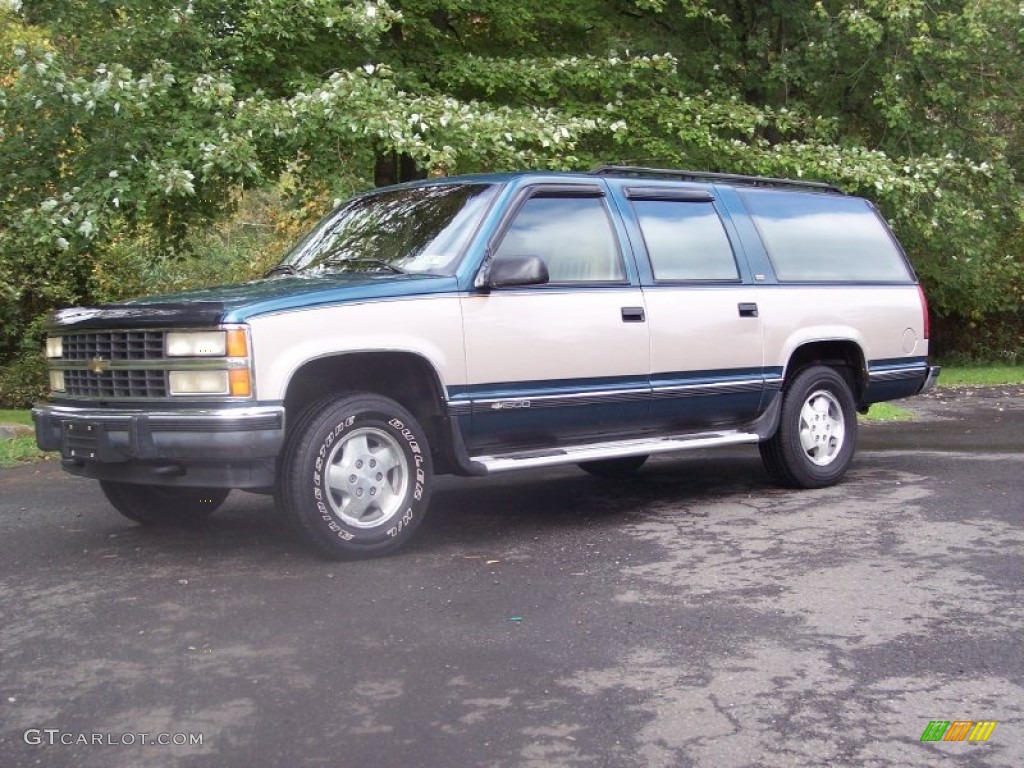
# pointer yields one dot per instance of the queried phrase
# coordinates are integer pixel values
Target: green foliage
(128, 129)
(22, 448)
(240, 248)
(990, 339)
(18, 450)
(23, 379)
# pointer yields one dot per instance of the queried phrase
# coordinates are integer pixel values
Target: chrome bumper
(123, 435)
(929, 382)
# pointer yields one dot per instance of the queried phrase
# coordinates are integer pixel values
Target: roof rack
(708, 176)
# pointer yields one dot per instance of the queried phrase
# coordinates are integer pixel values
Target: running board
(612, 450)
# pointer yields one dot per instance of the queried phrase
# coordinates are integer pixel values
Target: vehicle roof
(636, 173)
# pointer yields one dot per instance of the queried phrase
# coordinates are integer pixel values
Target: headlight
(55, 346)
(198, 382)
(196, 343)
(57, 380)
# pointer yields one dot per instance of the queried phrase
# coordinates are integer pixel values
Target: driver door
(567, 361)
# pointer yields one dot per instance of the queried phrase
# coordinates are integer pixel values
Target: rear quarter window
(825, 238)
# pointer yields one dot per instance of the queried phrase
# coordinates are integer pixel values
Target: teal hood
(238, 303)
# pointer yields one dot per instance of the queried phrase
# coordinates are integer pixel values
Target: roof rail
(708, 176)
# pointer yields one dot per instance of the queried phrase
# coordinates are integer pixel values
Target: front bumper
(215, 447)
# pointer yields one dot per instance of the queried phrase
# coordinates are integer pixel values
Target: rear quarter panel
(884, 320)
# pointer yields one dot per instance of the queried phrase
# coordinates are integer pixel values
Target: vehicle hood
(237, 303)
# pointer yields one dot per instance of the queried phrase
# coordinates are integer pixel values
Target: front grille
(114, 345)
(133, 384)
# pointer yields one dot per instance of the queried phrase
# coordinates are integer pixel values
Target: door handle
(748, 309)
(632, 314)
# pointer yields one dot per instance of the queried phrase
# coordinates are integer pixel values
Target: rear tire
(814, 444)
(355, 476)
(613, 469)
(163, 506)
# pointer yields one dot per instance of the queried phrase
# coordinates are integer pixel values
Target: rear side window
(829, 238)
(685, 240)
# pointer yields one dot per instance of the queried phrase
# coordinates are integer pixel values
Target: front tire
(814, 444)
(354, 479)
(163, 506)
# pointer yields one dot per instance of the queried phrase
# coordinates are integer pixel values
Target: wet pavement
(693, 616)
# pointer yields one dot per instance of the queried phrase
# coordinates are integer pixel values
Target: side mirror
(513, 271)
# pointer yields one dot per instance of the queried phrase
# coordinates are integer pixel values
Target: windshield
(420, 229)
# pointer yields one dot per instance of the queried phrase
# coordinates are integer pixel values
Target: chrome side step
(611, 450)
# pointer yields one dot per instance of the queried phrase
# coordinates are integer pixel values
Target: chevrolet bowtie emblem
(98, 365)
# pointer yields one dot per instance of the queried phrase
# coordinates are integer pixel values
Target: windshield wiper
(379, 263)
(281, 269)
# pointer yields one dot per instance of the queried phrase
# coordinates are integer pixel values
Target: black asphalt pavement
(695, 615)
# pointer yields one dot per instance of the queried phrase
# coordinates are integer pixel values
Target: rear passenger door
(566, 361)
(704, 322)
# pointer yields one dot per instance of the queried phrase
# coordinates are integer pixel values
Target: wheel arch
(845, 354)
(406, 377)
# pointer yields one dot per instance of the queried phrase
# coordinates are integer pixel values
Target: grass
(886, 412)
(16, 450)
(16, 417)
(19, 449)
(981, 376)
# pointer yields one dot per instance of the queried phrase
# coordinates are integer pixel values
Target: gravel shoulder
(954, 419)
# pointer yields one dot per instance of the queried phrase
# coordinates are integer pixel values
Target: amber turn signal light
(240, 385)
(237, 346)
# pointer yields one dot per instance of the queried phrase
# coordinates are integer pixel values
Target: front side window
(573, 236)
(419, 229)
(685, 240)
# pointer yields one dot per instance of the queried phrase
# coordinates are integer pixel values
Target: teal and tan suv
(483, 324)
